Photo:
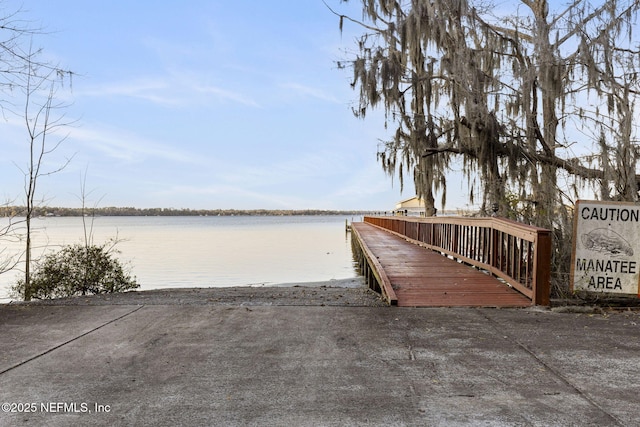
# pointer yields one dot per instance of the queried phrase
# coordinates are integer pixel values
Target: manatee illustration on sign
(606, 241)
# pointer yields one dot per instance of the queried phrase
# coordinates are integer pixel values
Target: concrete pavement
(220, 365)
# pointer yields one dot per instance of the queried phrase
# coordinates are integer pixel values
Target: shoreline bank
(343, 292)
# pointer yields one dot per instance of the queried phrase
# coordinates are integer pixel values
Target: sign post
(606, 247)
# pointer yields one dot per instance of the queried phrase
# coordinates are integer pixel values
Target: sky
(203, 104)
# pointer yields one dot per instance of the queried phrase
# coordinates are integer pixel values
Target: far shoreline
(50, 211)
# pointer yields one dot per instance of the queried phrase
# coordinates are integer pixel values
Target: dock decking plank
(424, 278)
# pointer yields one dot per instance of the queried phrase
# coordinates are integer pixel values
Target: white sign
(606, 247)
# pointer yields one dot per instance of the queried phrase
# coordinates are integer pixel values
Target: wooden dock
(413, 276)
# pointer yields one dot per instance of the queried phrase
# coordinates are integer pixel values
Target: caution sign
(606, 247)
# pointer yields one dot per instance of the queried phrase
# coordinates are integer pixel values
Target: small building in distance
(410, 207)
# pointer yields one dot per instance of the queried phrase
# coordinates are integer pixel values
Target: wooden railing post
(493, 248)
(542, 269)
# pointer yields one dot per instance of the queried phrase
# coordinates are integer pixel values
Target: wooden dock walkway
(420, 277)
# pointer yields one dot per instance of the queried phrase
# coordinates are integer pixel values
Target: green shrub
(78, 270)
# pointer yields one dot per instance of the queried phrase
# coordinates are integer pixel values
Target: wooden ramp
(424, 278)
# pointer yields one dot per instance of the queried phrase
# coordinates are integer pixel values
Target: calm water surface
(174, 252)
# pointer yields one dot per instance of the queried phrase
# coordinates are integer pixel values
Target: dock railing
(517, 253)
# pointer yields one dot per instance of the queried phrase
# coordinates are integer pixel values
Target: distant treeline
(10, 211)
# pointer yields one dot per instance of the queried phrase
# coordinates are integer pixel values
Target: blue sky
(205, 105)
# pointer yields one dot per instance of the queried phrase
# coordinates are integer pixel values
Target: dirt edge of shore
(344, 292)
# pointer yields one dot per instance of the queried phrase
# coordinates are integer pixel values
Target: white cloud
(309, 91)
(126, 146)
(224, 94)
(152, 89)
(321, 164)
(172, 90)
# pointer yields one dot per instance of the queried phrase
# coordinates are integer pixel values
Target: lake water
(179, 252)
